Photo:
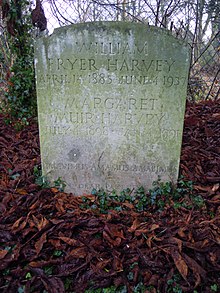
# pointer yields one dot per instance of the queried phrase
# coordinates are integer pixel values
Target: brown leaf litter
(50, 241)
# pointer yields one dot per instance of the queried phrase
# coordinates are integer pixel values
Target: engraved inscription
(111, 65)
(112, 48)
(106, 118)
(146, 168)
(121, 104)
(97, 78)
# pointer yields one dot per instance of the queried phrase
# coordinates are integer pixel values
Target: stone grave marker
(111, 102)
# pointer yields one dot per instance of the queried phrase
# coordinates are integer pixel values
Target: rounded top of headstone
(119, 26)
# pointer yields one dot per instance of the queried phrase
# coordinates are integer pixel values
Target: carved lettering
(59, 79)
(83, 64)
(143, 104)
(112, 48)
(72, 63)
(139, 65)
(169, 134)
(105, 118)
(112, 64)
(144, 168)
(57, 130)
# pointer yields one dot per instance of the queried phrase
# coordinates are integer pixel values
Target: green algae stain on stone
(111, 102)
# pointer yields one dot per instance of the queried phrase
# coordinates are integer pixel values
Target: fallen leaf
(180, 263)
(80, 252)
(39, 244)
(3, 253)
(69, 241)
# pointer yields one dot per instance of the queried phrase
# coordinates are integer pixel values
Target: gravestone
(111, 102)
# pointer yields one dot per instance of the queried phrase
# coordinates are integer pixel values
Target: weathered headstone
(111, 101)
